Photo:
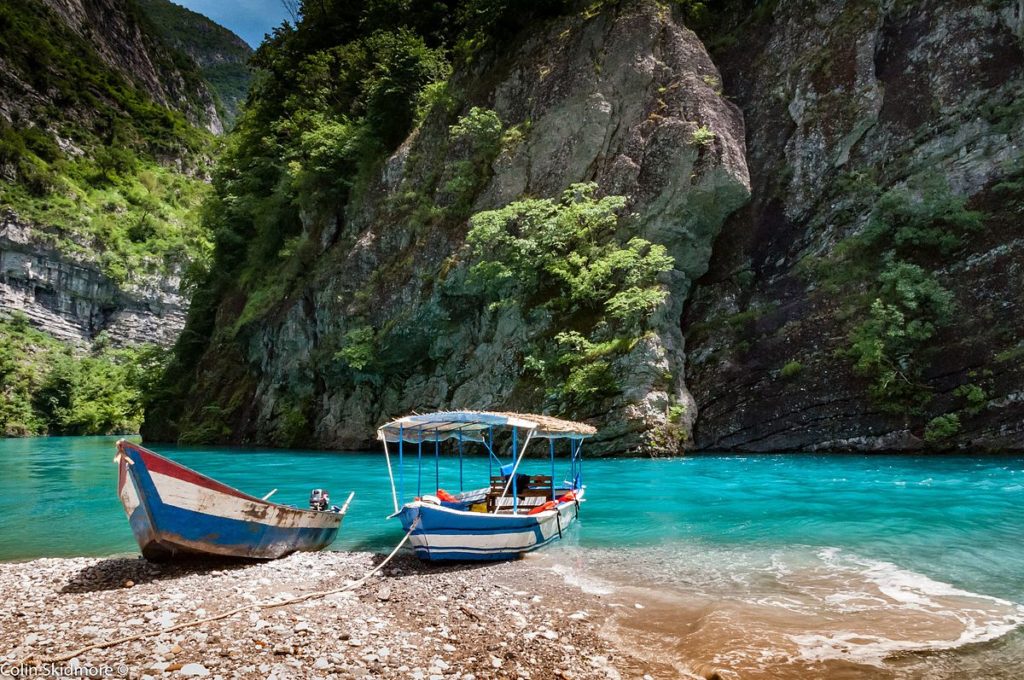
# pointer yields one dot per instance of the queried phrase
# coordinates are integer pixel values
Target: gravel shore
(506, 620)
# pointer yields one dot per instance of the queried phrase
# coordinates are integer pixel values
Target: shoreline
(414, 620)
(532, 618)
(938, 453)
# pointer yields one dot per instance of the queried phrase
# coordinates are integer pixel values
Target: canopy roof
(473, 425)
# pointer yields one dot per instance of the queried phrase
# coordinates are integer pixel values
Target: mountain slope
(105, 145)
(352, 278)
(221, 56)
(807, 240)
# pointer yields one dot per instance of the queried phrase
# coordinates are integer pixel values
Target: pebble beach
(412, 620)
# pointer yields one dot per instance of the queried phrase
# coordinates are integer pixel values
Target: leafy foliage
(565, 257)
(133, 216)
(358, 350)
(479, 132)
(49, 389)
(974, 395)
(925, 216)
(791, 369)
(888, 347)
(703, 136)
(902, 305)
(941, 428)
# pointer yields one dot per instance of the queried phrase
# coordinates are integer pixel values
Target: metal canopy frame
(470, 426)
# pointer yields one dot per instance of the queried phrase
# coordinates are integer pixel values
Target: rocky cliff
(868, 297)
(222, 57)
(106, 140)
(73, 300)
(838, 185)
(116, 32)
(620, 99)
(102, 165)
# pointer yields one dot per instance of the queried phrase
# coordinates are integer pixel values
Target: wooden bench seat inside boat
(532, 490)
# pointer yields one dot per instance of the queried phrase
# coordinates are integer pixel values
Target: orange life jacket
(541, 508)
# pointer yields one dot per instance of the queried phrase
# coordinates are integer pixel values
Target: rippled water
(757, 566)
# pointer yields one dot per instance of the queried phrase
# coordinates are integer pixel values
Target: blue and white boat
(175, 511)
(515, 514)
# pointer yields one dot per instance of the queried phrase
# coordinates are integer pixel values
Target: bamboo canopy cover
(472, 426)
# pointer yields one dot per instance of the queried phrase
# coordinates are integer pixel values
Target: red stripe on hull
(161, 465)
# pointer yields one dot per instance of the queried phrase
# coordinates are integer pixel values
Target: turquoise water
(837, 540)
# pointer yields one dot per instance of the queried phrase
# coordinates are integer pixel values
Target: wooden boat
(175, 511)
(515, 514)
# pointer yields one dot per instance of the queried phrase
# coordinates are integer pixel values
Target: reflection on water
(759, 566)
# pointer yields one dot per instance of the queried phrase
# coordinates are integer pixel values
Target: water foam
(577, 578)
(799, 607)
(908, 606)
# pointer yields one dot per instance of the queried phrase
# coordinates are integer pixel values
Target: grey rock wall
(844, 101)
(74, 301)
(613, 99)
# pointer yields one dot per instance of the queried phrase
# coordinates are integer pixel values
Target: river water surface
(758, 566)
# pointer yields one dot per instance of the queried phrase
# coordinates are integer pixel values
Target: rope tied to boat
(237, 610)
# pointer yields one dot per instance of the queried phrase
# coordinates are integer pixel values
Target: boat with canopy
(516, 513)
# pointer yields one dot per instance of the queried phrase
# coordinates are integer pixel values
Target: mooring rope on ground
(238, 610)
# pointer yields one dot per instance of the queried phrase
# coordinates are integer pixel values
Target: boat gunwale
(491, 515)
(242, 494)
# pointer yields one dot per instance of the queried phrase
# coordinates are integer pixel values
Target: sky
(250, 19)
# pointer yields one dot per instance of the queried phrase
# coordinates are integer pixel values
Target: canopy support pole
(515, 449)
(419, 466)
(515, 467)
(437, 461)
(576, 446)
(460, 462)
(579, 454)
(391, 475)
(401, 462)
(551, 450)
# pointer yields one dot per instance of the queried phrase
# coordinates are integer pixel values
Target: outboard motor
(319, 500)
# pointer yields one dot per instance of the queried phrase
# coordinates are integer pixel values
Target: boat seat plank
(532, 491)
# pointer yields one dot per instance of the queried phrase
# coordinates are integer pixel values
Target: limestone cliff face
(848, 252)
(114, 29)
(614, 99)
(72, 300)
(844, 102)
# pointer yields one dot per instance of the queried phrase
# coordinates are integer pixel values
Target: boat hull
(446, 534)
(176, 512)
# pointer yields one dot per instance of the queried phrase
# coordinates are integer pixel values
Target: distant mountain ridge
(107, 138)
(118, 33)
(220, 55)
